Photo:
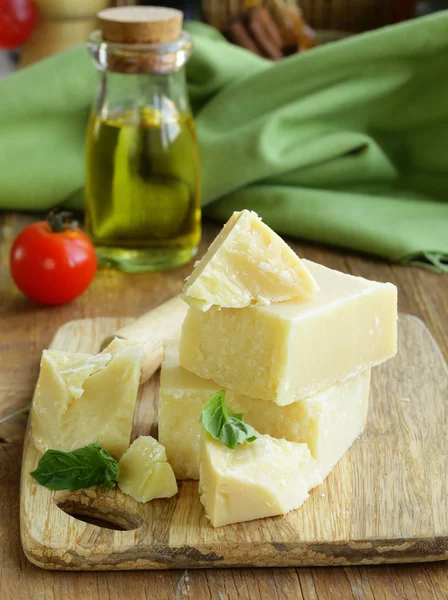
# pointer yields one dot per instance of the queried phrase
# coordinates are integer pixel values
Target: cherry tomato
(17, 21)
(53, 261)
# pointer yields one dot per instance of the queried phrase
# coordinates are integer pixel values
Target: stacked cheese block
(292, 343)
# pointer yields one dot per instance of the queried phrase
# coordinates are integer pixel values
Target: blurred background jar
(61, 24)
(142, 157)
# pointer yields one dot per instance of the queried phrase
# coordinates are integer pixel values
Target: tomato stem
(61, 220)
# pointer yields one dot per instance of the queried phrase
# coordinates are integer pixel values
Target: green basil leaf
(223, 424)
(81, 468)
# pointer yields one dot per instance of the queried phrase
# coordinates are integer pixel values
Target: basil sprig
(81, 468)
(223, 424)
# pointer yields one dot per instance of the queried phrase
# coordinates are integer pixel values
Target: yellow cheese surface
(144, 472)
(328, 422)
(247, 264)
(290, 350)
(260, 479)
(84, 398)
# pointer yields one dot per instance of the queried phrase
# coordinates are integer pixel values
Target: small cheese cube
(259, 479)
(290, 350)
(144, 472)
(246, 264)
(85, 398)
(328, 422)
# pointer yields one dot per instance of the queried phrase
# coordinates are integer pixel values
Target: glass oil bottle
(142, 159)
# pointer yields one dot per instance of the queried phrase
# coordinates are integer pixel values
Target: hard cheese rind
(85, 398)
(327, 422)
(247, 264)
(260, 479)
(290, 350)
(144, 472)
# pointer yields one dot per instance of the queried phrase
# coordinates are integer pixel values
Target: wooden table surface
(26, 328)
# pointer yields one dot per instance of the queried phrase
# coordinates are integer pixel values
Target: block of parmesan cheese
(144, 472)
(260, 479)
(328, 422)
(290, 350)
(247, 264)
(85, 398)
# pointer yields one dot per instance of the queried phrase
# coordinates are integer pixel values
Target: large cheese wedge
(144, 472)
(328, 422)
(247, 264)
(260, 479)
(290, 350)
(85, 398)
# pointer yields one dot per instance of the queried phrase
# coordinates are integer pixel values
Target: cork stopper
(140, 24)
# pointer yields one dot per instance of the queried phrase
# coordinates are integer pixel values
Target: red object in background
(17, 21)
(53, 261)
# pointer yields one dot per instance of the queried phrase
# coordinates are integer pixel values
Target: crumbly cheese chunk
(260, 479)
(85, 398)
(328, 422)
(290, 350)
(247, 264)
(144, 472)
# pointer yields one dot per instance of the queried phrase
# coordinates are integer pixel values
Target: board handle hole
(97, 511)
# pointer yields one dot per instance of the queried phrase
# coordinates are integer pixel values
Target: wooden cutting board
(385, 501)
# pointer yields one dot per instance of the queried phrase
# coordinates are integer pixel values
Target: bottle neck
(128, 94)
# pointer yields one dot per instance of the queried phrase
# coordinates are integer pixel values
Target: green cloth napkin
(345, 145)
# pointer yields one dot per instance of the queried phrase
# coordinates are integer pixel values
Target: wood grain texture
(26, 328)
(385, 502)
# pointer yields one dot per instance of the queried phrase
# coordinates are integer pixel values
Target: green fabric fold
(345, 145)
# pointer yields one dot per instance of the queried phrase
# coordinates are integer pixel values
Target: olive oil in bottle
(142, 189)
(142, 159)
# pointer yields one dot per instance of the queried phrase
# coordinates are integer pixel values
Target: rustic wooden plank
(386, 500)
(20, 579)
(25, 329)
